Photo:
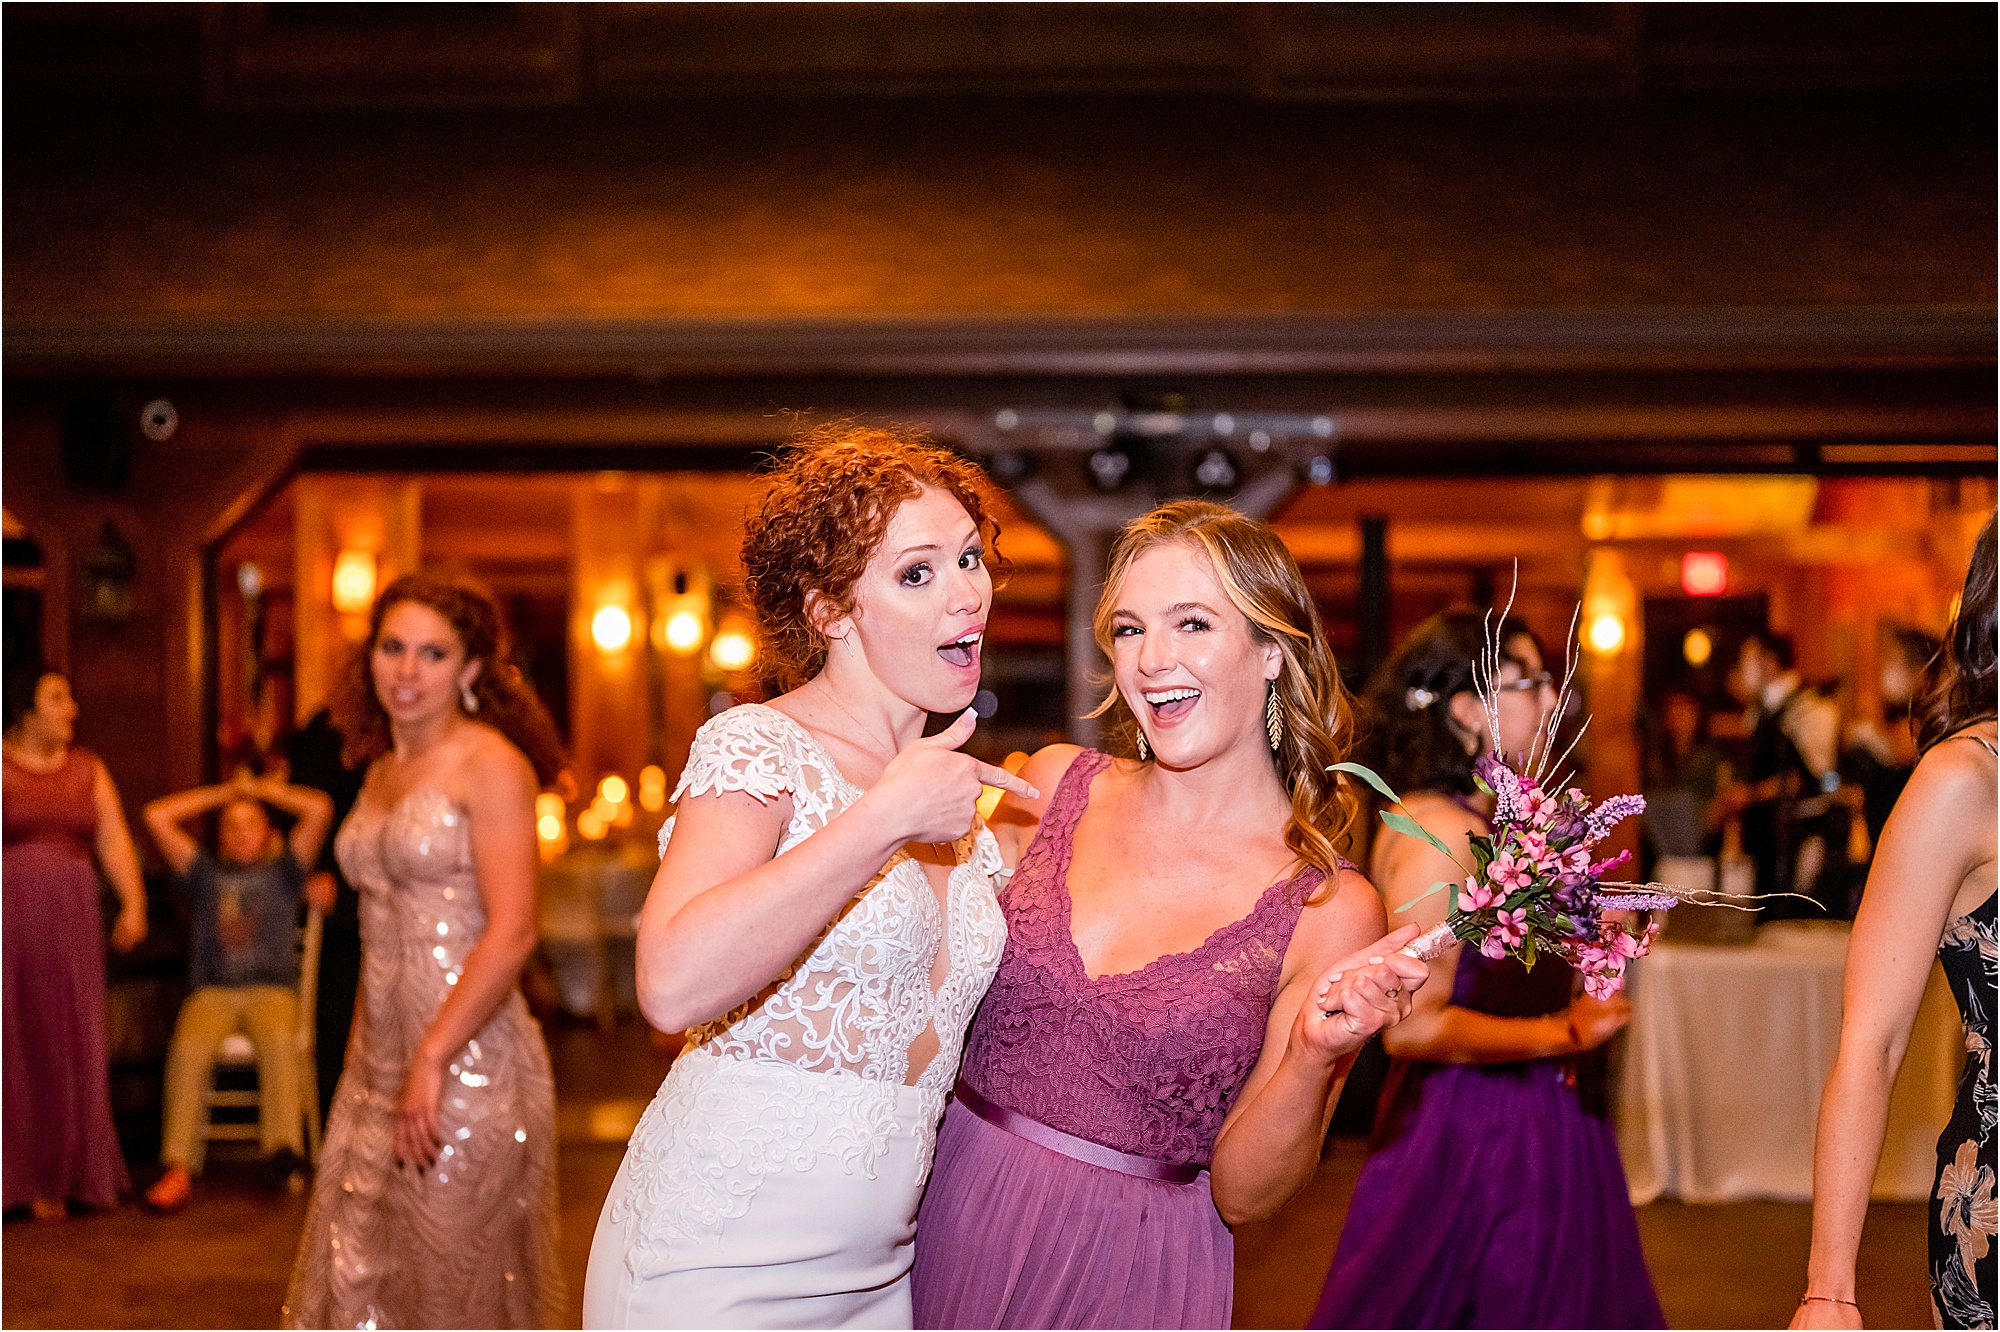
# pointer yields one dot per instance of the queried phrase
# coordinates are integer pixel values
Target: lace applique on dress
(831, 1036)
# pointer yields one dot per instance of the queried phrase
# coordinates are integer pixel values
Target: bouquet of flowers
(1535, 886)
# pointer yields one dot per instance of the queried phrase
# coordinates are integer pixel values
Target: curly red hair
(820, 519)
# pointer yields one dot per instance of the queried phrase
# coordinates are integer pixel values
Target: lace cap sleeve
(748, 749)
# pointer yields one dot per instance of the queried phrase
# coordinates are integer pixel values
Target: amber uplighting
(353, 581)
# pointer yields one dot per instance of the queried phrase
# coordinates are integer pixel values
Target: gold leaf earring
(1274, 719)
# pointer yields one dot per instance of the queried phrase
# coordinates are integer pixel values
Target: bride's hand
(417, 1134)
(1359, 996)
(930, 791)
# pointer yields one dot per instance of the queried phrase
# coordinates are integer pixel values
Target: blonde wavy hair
(1262, 580)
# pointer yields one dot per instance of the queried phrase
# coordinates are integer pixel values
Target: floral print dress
(1962, 1212)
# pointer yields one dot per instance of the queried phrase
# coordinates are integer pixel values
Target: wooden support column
(609, 726)
(380, 515)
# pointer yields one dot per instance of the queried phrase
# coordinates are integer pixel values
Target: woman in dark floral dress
(1931, 888)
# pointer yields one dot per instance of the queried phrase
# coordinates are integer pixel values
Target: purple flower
(1610, 813)
(1505, 784)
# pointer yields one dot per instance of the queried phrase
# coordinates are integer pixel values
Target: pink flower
(1535, 847)
(1511, 926)
(1537, 809)
(1475, 895)
(1576, 860)
(1510, 871)
(1493, 945)
(1602, 985)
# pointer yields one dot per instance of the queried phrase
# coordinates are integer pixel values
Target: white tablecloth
(1728, 1051)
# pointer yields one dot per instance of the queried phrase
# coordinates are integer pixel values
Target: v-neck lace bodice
(1145, 1061)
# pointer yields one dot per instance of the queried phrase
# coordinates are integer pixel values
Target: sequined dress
(773, 1181)
(472, 1242)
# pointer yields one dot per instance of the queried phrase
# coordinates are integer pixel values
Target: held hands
(417, 1136)
(320, 892)
(1362, 994)
(1592, 1022)
(930, 791)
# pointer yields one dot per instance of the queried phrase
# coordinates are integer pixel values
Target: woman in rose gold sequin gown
(435, 1199)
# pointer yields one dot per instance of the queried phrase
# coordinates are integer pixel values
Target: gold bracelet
(1830, 1299)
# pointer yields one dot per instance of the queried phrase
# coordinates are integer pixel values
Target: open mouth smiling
(963, 651)
(1168, 704)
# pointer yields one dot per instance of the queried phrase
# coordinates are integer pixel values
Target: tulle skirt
(1012, 1234)
(1495, 1201)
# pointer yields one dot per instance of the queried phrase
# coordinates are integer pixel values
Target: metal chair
(237, 1053)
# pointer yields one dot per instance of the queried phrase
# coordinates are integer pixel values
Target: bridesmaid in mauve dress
(62, 819)
(434, 1204)
(1495, 1196)
(1181, 991)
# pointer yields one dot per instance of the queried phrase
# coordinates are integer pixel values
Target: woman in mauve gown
(434, 1204)
(63, 821)
(1181, 991)
(1495, 1196)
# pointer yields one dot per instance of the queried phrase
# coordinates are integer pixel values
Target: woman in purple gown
(63, 821)
(1189, 965)
(1495, 1197)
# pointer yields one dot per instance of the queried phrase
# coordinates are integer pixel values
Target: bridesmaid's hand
(417, 1134)
(1362, 993)
(129, 930)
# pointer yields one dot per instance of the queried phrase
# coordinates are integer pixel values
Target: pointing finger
(1006, 781)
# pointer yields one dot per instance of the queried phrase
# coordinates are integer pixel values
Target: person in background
(1783, 802)
(1930, 894)
(243, 974)
(1683, 772)
(313, 756)
(1495, 1196)
(63, 823)
(434, 1204)
(1880, 758)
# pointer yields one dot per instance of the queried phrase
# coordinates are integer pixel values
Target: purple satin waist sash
(1077, 1149)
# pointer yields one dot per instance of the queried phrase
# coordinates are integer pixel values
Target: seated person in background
(244, 964)
(1683, 774)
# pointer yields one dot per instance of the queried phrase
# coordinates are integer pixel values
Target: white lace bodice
(808, 1073)
(861, 995)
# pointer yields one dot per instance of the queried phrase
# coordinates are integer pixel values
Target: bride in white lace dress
(823, 923)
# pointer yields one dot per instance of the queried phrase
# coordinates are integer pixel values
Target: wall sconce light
(614, 789)
(354, 581)
(1606, 634)
(551, 827)
(611, 628)
(1697, 648)
(652, 788)
(684, 632)
(1704, 573)
(733, 650)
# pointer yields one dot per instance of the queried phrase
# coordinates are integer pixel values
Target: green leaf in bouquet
(1367, 775)
(1440, 886)
(1480, 782)
(1409, 827)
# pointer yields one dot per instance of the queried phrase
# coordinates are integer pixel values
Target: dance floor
(223, 1262)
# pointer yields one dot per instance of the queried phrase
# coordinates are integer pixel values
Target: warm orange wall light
(353, 581)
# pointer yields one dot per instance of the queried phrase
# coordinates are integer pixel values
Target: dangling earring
(847, 641)
(468, 698)
(1144, 753)
(1274, 719)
